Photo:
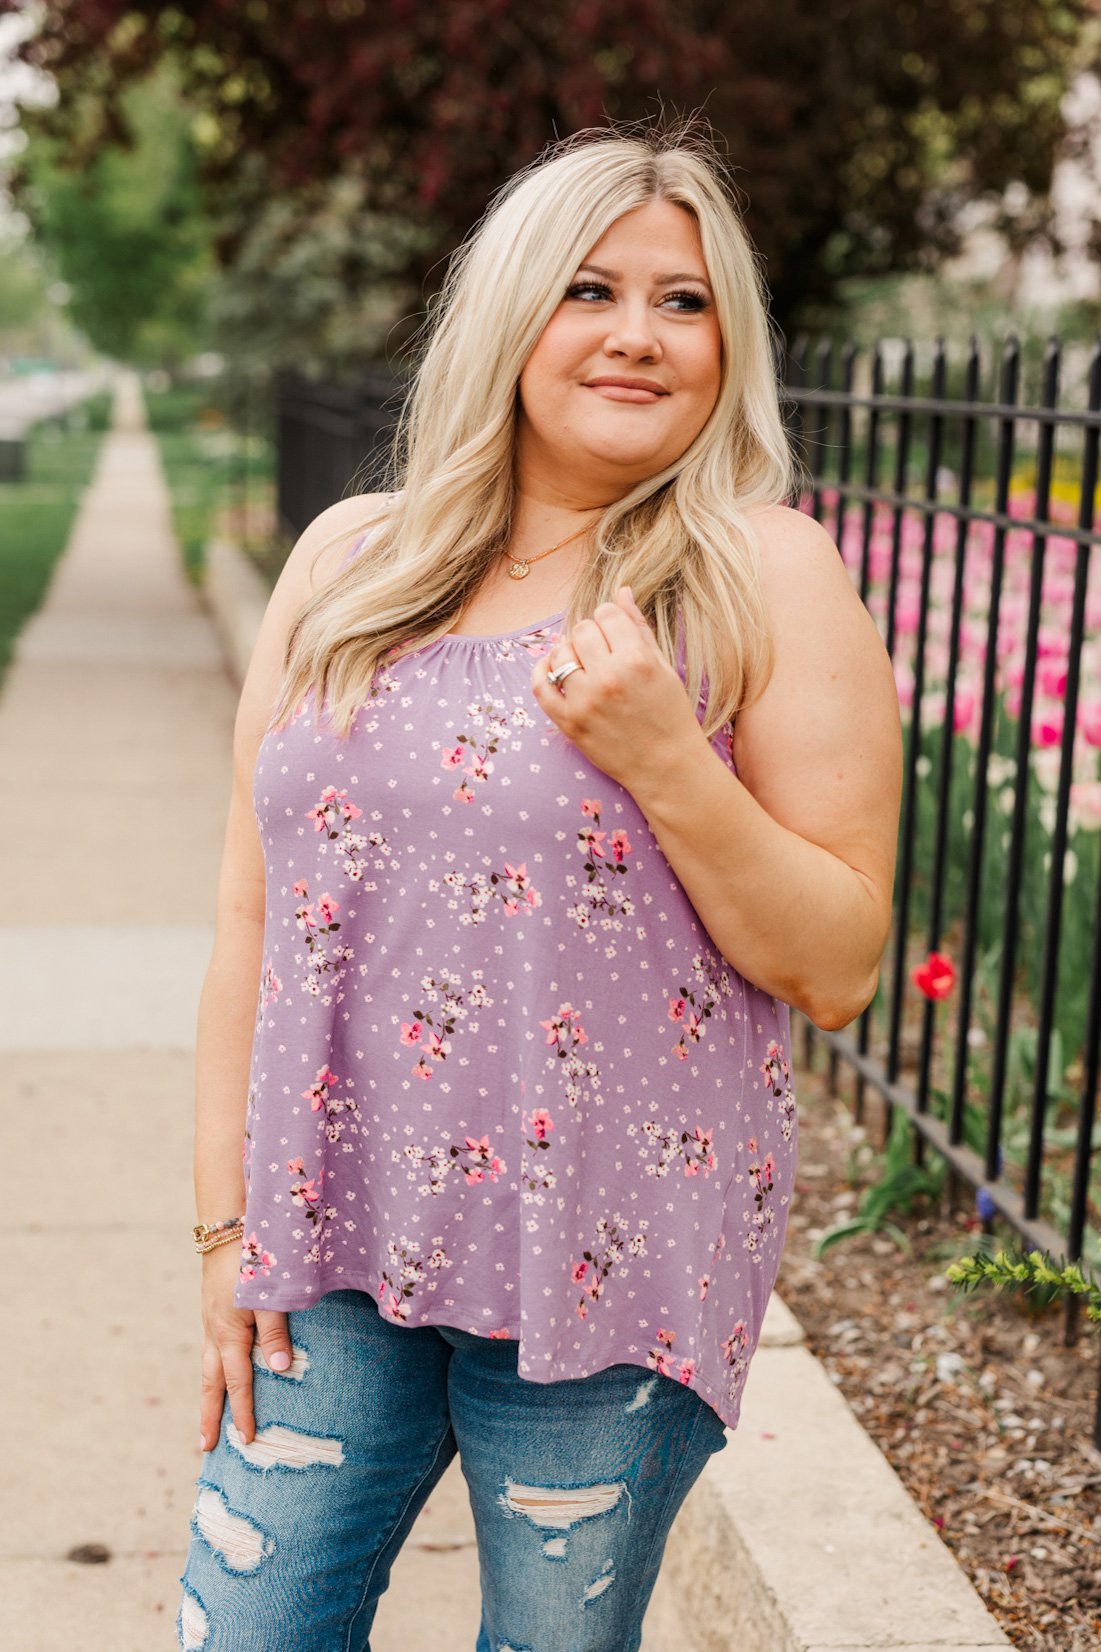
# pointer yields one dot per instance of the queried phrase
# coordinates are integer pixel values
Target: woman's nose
(632, 333)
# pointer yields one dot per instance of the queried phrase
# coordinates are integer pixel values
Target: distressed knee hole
(643, 1396)
(192, 1622)
(280, 1447)
(560, 1507)
(300, 1363)
(235, 1539)
(555, 1548)
(599, 1584)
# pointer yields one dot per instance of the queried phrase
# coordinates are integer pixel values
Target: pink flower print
(496, 1334)
(775, 1068)
(331, 808)
(405, 1273)
(300, 887)
(598, 897)
(316, 927)
(306, 1193)
(318, 1092)
(474, 752)
(693, 1146)
(703, 1282)
(566, 1033)
(483, 1162)
(607, 1254)
(435, 1047)
(296, 1167)
(272, 985)
(473, 1156)
(321, 1098)
(255, 1258)
(432, 1029)
(691, 1006)
(541, 1124)
(667, 1337)
(698, 1155)
(687, 1370)
(519, 887)
(658, 1360)
(578, 1272)
(620, 844)
(736, 1343)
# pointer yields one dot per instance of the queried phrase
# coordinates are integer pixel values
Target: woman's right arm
(227, 1003)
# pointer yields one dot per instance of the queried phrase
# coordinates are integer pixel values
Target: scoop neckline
(503, 636)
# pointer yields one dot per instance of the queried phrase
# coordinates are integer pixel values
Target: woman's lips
(626, 393)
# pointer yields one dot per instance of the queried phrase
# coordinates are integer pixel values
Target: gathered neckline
(503, 636)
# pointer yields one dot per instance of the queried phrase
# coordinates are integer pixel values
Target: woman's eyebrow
(659, 280)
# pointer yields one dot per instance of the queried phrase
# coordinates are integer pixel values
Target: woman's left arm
(789, 863)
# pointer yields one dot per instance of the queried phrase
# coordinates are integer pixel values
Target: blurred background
(220, 225)
(242, 193)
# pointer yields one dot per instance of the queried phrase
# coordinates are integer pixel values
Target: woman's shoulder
(791, 542)
(325, 543)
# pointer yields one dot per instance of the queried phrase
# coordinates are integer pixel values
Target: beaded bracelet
(209, 1235)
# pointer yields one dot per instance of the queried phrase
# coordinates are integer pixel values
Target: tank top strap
(359, 541)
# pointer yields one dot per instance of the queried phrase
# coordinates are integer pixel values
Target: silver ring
(562, 672)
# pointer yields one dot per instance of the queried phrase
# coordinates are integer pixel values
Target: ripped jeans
(573, 1485)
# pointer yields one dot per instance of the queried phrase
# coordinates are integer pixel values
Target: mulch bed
(980, 1409)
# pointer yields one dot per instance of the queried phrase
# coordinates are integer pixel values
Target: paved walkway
(115, 747)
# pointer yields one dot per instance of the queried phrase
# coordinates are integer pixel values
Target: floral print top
(501, 1077)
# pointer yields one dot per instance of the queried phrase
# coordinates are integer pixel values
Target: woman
(510, 917)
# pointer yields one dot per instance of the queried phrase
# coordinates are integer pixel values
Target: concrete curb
(799, 1536)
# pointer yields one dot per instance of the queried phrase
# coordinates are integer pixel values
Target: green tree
(127, 230)
(857, 128)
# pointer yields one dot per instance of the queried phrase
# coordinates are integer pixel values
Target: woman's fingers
(212, 1396)
(274, 1339)
(236, 1351)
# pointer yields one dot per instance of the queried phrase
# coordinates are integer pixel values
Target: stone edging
(799, 1536)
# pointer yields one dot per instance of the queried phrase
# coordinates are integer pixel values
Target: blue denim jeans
(573, 1487)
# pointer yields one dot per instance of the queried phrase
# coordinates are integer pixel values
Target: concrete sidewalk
(115, 745)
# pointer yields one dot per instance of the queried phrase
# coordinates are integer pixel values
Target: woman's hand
(228, 1335)
(627, 709)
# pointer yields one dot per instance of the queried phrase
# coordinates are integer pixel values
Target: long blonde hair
(681, 539)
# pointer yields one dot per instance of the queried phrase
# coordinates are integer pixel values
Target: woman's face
(627, 370)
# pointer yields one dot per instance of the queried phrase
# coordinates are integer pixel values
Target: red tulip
(935, 977)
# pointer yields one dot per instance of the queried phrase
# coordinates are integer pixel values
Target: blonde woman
(561, 773)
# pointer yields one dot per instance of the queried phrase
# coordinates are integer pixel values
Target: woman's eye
(687, 300)
(581, 288)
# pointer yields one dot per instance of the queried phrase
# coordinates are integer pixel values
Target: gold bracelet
(209, 1238)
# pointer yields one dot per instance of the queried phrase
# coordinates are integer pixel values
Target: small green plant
(900, 1182)
(1034, 1272)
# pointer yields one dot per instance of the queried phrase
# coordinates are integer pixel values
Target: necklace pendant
(518, 570)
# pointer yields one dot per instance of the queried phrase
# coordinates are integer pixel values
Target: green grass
(37, 513)
(207, 463)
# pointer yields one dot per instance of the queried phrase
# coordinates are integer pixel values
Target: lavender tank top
(501, 1077)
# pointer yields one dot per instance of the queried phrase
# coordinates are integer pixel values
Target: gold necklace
(520, 565)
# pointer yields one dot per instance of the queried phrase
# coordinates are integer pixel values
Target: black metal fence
(331, 440)
(967, 525)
